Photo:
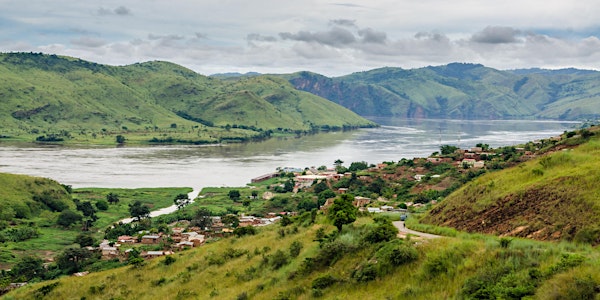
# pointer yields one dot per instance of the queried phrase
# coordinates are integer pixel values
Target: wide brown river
(236, 164)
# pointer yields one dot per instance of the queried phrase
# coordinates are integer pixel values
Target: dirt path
(403, 231)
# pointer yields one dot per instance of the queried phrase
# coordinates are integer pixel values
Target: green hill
(554, 197)
(461, 91)
(291, 263)
(26, 197)
(61, 98)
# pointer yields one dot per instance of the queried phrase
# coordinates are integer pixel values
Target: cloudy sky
(327, 37)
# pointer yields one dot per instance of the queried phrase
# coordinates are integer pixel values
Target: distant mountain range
(165, 102)
(461, 91)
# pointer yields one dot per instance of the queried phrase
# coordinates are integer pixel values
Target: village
(182, 236)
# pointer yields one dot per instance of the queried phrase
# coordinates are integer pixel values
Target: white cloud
(325, 37)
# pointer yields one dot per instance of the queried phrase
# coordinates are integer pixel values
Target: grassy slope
(51, 94)
(554, 197)
(445, 268)
(17, 192)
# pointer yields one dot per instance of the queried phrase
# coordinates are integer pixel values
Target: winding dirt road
(403, 231)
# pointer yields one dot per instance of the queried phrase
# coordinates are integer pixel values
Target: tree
(288, 185)
(247, 203)
(254, 194)
(447, 149)
(139, 211)
(84, 240)
(202, 218)
(338, 166)
(112, 198)
(68, 217)
(88, 211)
(234, 195)
(230, 220)
(102, 205)
(357, 166)
(181, 200)
(71, 260)
(342, 211)
(27, 268)
(120, 139)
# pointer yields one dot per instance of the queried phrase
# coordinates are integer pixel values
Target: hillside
(461, 91)
(311, 261)
(60, 98)
(553, 197)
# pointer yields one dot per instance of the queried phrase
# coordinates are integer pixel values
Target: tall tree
(112, 198)
(342, 211)
(71, 260)
(139, 211)
(181, 200)
(202, 218)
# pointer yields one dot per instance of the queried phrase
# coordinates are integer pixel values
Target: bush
(169, 259)
(383, 231)
(102, 205)
(295, 249)
(365, 273)
(278, 259)
(244, 230)
(402, 255)
(323, 281)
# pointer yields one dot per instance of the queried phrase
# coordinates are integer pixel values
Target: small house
(150, 239)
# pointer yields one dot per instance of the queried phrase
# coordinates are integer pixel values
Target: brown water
(236, 164)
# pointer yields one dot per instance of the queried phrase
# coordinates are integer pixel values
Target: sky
(332, 38)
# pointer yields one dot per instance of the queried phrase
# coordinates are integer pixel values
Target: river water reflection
(236, 164)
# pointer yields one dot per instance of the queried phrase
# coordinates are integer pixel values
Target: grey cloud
(104, 11)
(335, 37)
(122, 11)
(200, 35)
(371, 36)
(88, 42)
(438, 37)
(344, 22)
(171, 37)
(496, 35)
(347, 4)
(260, 38)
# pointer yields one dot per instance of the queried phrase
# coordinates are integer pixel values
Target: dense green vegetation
(40, 217)
(47, 98)
(461, 91)
(314, 261)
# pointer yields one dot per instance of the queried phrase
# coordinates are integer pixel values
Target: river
(237, 164)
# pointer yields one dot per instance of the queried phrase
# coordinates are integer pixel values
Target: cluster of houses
(179, 239)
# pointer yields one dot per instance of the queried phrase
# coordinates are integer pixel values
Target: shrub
(169, 259)
(588, 235)
(384, 231)
(244, 230)
(295, 249)
(403, 254)
(278, 259)
(323, 281)
(102, 205)
(365, 273)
